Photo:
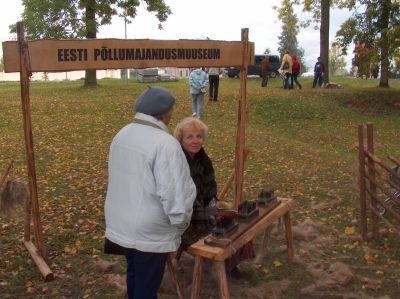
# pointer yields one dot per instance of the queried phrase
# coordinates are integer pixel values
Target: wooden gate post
(32, 206)
(241, 122)
(372, 176)
(361, 184)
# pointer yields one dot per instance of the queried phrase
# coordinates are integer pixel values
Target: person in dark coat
(319, 69)
(213, 80)
(191, 132)
(264, 71)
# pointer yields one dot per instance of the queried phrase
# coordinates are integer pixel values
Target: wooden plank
(201, 249)
(220, 254)
(387, 222)
(379, 161)
(253, 231)
(100, 54)
(243, 226)
(394, 160)
(386, 205)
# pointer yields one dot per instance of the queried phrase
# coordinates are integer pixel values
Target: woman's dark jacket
(203, 175)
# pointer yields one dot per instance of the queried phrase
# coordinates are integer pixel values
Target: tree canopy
(319, 10)
(337, 62)
(290, 29)
(61, 19)
(81, 18)
(375, 24)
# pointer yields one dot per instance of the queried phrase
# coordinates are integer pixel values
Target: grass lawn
(302, 144)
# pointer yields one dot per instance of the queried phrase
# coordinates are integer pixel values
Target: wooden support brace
(174, 280)
(221, 277)
(263, 251)
(289, 237)
(5, 173)
(32, 206)
(394, 160)
(196, 280)
(39, 261)
(229, 182)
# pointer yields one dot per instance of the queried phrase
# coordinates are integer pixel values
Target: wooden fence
(379, 186)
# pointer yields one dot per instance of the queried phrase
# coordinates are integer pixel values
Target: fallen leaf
(373, 284)
(276, 263)
(369, 259)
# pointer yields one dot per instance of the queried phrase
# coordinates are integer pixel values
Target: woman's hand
(224, 205)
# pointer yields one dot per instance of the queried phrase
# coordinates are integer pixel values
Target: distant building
(170, 72)
(178, 73)
(60, 76)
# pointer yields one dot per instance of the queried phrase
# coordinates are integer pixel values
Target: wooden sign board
(99, 54)
(26, 57)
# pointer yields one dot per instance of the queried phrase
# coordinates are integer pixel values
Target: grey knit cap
(154, 101)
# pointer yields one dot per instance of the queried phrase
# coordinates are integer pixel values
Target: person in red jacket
(295, 72)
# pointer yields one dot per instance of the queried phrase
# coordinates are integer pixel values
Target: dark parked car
(274, 64)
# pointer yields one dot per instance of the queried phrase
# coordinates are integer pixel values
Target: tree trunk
(324, 38)
(90, 78)
(384, 43)
(91, 32)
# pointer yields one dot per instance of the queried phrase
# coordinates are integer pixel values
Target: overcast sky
(215, 19)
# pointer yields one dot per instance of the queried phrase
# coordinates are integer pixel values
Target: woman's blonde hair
(190, 123)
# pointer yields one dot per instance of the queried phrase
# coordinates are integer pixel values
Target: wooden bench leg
(260, 256)
(289, 237)
(221, 277)
(196, 277)
(174, 280)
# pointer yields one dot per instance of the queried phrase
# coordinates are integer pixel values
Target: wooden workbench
(248, 231)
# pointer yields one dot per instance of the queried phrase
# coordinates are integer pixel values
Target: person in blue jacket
(198, 81)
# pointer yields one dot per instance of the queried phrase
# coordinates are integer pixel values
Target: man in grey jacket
(150, 192)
